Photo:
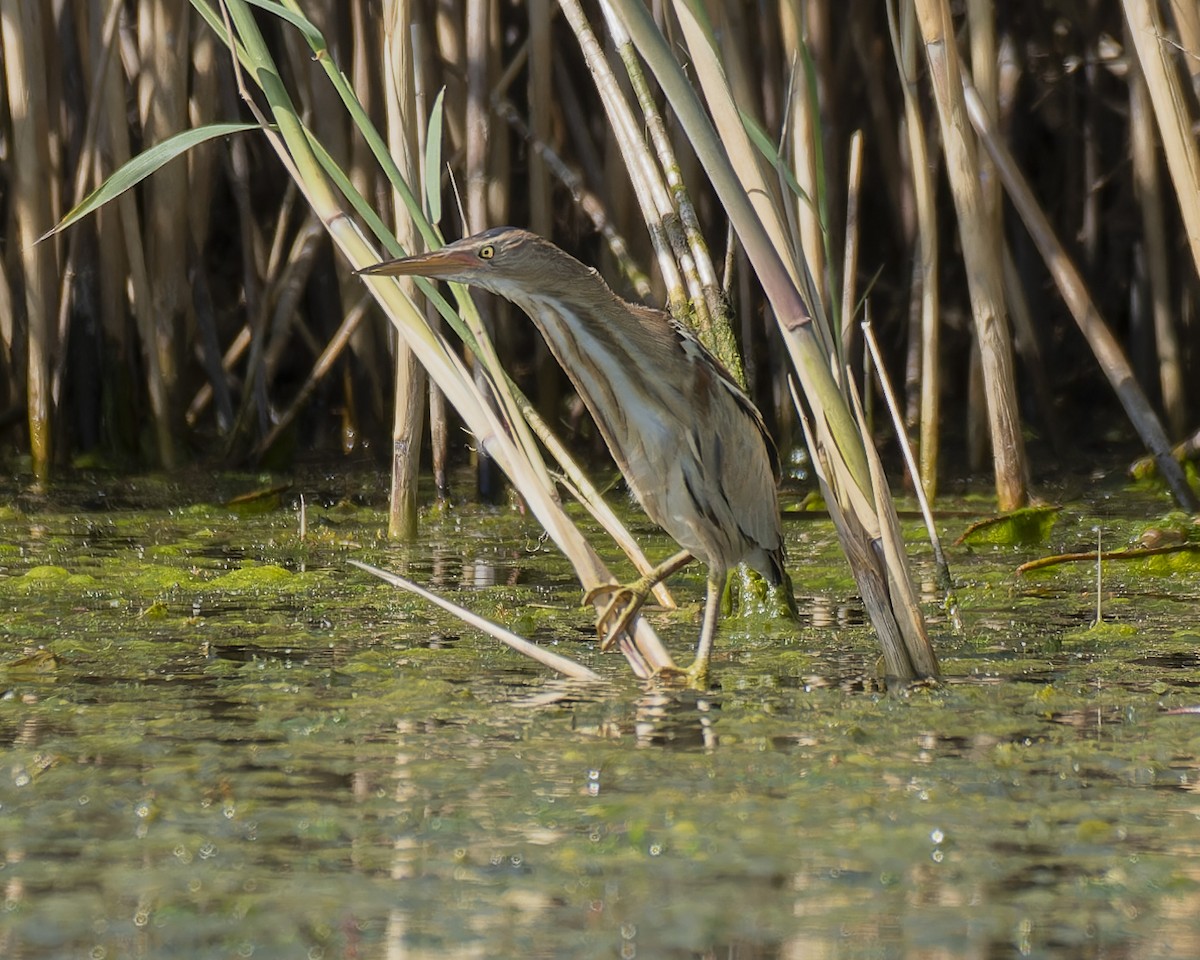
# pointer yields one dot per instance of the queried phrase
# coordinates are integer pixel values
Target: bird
(690, 443)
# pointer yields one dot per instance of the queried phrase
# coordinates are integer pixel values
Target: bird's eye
(487, 252)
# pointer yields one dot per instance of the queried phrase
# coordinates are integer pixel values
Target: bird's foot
(694, 677)
(625, 600)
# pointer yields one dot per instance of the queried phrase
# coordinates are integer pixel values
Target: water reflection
(319, 769)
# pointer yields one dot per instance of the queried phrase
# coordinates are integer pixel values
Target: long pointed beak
(444, 264)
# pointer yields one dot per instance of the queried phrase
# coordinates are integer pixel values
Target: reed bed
(993, 184)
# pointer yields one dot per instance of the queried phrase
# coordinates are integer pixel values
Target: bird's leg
(697, 673)
(626, 599)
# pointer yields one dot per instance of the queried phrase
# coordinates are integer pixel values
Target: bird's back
(690, 443)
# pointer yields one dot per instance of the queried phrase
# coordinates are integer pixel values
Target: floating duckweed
(47, 572)
(253, 577)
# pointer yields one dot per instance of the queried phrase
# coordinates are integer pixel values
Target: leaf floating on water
(40, 663)
(1028, 526)
(259, 501)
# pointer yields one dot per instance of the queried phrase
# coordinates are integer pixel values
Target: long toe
(617, 615)
(625, 601)
(601, 590)
(696, 676)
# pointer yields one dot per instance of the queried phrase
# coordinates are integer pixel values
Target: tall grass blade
(143, 165)
(433, 158)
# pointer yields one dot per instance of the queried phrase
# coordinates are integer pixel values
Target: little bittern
(689, 442)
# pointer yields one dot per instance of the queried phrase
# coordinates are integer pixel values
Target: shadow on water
(220, 741)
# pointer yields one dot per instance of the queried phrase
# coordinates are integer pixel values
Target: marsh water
(221, 740)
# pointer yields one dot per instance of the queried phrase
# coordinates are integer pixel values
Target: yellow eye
(487, 252)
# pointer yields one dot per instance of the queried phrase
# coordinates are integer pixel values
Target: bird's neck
(611, 351)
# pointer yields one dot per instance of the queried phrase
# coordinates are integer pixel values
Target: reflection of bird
(689, 442)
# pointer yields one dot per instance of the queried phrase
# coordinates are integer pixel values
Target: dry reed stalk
(9, 375)
(704, 309)
(163, 31)
(286, 294)
(1148, 189)
(114, 270)
(589, 203)
(321, 368)
(57, 65)
(438, 427)
(941, 565)
(742, 55)
(850, 256)
(480, 29)
(625, 136)
(1087, 171)
(403, 122)
(568, 668)
(984, 275)
(481, 71)
(1009, 79)
(203, 163)
(896, 586)
(130, 230)
(21, 39)
(439, 440)
(1157, 58)
(984, 70)
(1186, 15)
(1100, 338)
(83, 240)
(802, 130)
(539, 89)
(373, 345)
(499, 195)
(451, 63)
(209, 348)
(851, 480)
(1029, 347)
(905, 40)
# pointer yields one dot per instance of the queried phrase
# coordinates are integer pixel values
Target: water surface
(222, 741)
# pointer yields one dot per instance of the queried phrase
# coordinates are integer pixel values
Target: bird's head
(511, 262)
(495, 260)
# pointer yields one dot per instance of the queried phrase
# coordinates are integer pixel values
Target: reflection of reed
(661, 717)
(675, 720)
